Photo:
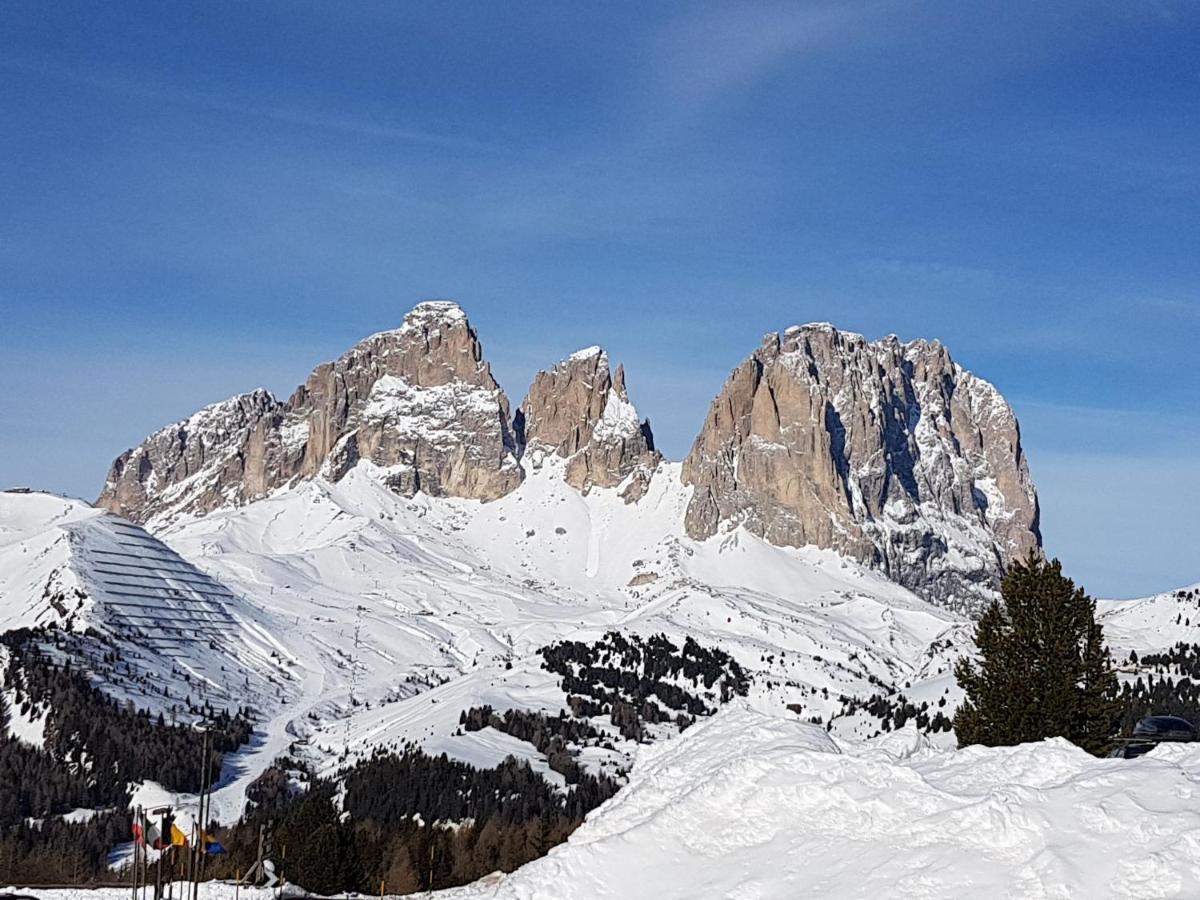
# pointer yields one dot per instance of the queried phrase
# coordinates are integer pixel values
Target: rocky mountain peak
(419, 401)
(580, 411)
(885, 451)
(194, 463)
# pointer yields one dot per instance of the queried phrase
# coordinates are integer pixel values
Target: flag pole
(205, 790)
(163, 842)
(137, 819)
(145, 863)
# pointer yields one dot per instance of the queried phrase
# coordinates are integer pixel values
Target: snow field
(748, 805)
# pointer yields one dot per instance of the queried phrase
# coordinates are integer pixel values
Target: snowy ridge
(1151, 623)
(430, 313)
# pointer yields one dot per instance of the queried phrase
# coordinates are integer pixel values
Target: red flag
(146, 832)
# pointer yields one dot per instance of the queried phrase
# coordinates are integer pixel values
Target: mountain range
(396, 551)
(886, 452)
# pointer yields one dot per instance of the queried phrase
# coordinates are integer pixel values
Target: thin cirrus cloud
(723, 49)
(289, 114)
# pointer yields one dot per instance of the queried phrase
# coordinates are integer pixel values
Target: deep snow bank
(747, 805)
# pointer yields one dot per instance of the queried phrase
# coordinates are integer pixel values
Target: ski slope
(67, 565)
(403, 612)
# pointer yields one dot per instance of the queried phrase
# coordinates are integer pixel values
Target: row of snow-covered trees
(631, 679)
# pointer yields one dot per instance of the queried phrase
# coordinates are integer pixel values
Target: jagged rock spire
(581, 411)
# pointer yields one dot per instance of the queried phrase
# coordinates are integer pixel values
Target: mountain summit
(419, 401)
(886, 452)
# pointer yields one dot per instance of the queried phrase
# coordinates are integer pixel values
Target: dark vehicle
(1152, 731)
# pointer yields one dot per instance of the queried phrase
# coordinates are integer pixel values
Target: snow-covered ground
(749, 805)
(1151, 623)
(351, 618)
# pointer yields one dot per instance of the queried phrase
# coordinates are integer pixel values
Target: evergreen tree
(1043, 669)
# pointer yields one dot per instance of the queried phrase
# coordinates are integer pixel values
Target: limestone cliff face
(220, 454)
(884, 451)
(581, 411)
(419, 400)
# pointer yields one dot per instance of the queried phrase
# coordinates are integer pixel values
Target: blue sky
(200, 199)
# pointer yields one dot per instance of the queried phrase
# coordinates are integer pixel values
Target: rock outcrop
(884, 451)
(581, 411)
(419, 401)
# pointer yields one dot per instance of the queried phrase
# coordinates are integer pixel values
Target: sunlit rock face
(419, 400)
(581, 411)
(885, 451)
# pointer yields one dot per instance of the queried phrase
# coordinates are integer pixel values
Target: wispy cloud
(1172, 306)
(1111, 431)
(703, 57)
(248, 107)
(933, 271)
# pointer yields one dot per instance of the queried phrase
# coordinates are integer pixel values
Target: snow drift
(747, 805)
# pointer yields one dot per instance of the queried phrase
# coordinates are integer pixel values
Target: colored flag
(144, 831)
(163, 837)
(210, 844)
(178, 838)
(151, 833)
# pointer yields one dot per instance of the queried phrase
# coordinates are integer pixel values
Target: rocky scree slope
(887, 452)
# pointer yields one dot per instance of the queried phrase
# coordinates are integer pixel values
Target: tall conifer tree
(1043, 668)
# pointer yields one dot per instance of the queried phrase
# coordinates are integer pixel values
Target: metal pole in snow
(205, 802)
(137, 820)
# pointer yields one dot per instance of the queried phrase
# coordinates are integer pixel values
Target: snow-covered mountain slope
(1152, 623)
(748, 805)
(80, 569)
(383, 596)
(37, 586)
(147, 625)
(351, 616)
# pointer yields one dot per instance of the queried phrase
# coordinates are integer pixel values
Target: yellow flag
(178, 838)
